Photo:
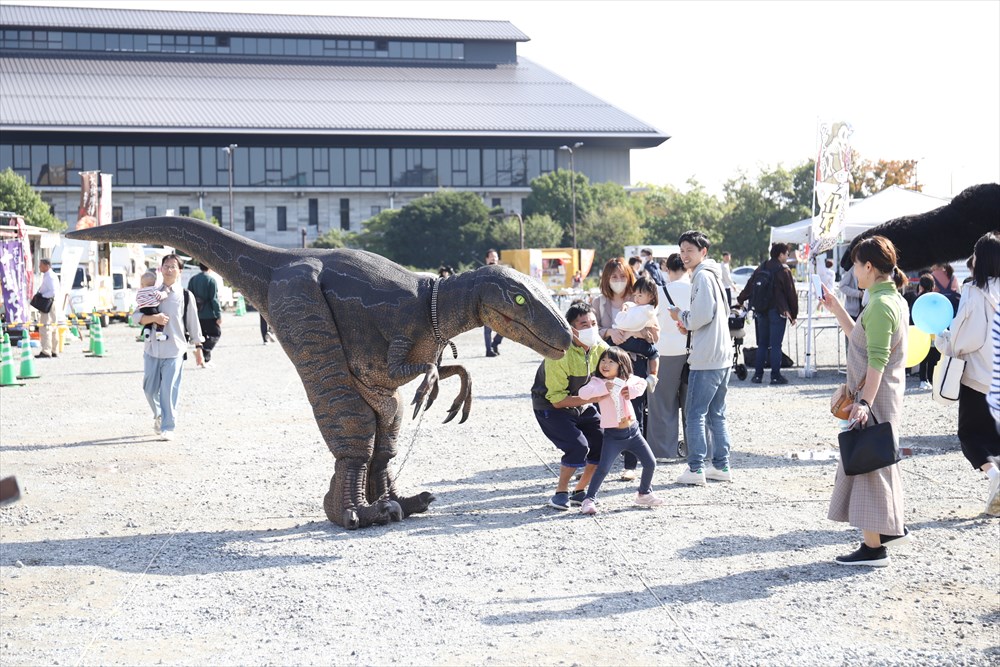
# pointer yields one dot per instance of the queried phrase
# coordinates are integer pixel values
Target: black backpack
(762, 294)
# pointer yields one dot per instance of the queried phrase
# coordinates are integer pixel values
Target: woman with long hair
(968, 338)
(617, 284)
(876, 375)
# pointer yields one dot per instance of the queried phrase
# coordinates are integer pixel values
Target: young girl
(621, 433)
(636, 315)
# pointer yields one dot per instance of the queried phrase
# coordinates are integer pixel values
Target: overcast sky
(741, 85)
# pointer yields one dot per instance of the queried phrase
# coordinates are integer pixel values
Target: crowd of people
(648, 372)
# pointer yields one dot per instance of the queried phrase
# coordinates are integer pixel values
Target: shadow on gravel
(124, 440)
(722, 590)
(138, 372)
(174, 554)
(734, 545)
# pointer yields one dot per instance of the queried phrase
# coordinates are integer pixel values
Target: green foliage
(16, 196)
(669, 212)
(335, 238)
(552, 195)
(443, 228)
(868, 178)
(608, 230)
(540, 231)
(199, 214)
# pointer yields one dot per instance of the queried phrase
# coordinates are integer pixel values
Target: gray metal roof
(53, 94)
(67, 18)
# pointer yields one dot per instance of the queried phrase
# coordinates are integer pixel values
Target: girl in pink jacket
(614, 385)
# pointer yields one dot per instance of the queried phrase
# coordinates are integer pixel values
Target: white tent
(863, 214)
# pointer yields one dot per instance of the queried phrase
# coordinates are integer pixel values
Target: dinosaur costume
(357, 327)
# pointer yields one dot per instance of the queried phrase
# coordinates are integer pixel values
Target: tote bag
(947, 380)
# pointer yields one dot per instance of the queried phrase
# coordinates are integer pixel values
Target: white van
(226, 298)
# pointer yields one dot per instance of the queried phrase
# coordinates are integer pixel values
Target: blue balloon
(932, 313)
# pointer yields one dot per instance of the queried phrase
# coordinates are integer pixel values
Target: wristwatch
(865, 403)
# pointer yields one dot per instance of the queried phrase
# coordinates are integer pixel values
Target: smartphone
(818, 286)
(851, 424)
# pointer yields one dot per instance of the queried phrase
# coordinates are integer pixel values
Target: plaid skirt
(873, 501)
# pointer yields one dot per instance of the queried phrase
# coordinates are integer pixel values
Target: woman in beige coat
(873, 501)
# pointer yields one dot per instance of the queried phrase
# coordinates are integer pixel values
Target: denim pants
(161, 382)
(617, 441)
(705, 412)
(770, 334)
(491, 340)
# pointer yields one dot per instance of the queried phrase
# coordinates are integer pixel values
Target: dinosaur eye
(520, 300)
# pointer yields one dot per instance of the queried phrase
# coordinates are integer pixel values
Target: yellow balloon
(918, 344)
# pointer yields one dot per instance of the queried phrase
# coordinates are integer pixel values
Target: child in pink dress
(614, 384)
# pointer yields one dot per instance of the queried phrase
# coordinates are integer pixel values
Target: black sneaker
(490, 353)
(756, 379)
(781, 379)
(496, 350)
(896, 540)
(866, 556)
(576, 498)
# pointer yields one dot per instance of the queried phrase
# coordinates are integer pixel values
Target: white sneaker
(156, 425)
(627, 475)
(993, 499)
(651, 381)
(649, 500)
(925, 385)
(692, 478)
(723, 475)
(167, 435)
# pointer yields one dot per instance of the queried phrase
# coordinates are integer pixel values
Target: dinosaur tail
(246, 264)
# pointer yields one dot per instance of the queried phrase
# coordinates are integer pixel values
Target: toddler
(148, 300)
(635, 316)
(621, 432)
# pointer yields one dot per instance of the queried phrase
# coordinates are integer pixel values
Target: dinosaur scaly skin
(357, 327)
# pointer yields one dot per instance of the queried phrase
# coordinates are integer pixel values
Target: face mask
(589, 337)
(618, 286)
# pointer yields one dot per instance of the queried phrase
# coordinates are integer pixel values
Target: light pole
(229, 157)
(572, 183)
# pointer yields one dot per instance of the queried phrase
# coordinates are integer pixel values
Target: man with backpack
(770, 293)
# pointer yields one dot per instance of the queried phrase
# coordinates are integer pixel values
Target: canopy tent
(863, 214)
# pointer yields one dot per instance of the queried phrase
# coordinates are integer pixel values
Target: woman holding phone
(876, 375)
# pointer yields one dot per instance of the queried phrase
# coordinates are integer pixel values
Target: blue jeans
(705, 411)
(491, 340)
(161, 382)
(617, 441)
(770, 334)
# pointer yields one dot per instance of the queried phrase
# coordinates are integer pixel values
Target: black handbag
(867, 449)
(42, 304)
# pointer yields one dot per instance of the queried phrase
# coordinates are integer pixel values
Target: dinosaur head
(517, 307)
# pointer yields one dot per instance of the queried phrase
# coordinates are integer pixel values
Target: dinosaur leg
(380, 482)
(464, 398)
(308, 334)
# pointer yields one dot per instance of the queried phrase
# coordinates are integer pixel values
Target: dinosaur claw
(416, 411)
(451, 415)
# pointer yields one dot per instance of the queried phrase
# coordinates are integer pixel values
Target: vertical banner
(29, 263)
(833, 185)
(12, 284)
(104, 210)
(87, 215)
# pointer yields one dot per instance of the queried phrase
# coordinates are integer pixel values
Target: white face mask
(589, 337)
(618, 286)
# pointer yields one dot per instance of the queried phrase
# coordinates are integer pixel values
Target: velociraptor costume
(357, 327)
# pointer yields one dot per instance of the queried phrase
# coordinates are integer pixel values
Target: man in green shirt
(206, 294)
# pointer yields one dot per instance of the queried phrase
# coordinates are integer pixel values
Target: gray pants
(662, 429)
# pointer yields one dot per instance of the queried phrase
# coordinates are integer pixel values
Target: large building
(333, 118)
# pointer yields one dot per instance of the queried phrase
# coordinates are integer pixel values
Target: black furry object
(946, 234)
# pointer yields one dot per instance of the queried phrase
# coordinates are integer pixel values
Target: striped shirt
(993, 397)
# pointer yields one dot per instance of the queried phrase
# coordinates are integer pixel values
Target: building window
(117, 214)
(282, 218)
(314, 213)
(150, 211)
(345, 214)
(217, 214)
(248, 220)
(52, 209)
(496, 203)
(376, 210)
(185, 210)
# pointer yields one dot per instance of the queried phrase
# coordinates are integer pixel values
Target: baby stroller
(737, 323)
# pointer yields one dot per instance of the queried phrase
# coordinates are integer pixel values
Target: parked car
(741, 276)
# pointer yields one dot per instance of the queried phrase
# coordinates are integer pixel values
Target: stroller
(737, 323)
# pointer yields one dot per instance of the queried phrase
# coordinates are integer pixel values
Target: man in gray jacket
(710, 360)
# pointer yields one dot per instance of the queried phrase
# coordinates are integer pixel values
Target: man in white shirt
(163, 360)
(49, 288)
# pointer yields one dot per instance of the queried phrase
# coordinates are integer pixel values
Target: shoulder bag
(42, 304)
(842, 399)
(864, 450)
(947, 380)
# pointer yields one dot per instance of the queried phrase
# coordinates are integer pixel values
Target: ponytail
(898, 277)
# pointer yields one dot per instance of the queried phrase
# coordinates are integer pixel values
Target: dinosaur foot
(360, 516)
(416, 504)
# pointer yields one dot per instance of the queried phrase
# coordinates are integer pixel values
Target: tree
(609, 230)
(552, 195)
(335, 238)
(540, 231)
(199, 214)
(443, 228)
(869, 177)
(16, 196)
(669, 212)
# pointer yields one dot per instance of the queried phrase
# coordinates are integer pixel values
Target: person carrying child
(634, 317)
(148, 300)
(613, 385)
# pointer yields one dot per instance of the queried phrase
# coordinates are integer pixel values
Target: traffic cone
(131, 323)
(96, 340)
(241, 306)
(7, 376)
(27, 361)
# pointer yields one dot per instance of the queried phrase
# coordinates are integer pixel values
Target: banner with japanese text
(833, 185)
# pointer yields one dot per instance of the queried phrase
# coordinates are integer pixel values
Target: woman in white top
(665, 404)
(968, 338)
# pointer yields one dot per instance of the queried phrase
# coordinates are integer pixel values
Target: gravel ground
(213, 548)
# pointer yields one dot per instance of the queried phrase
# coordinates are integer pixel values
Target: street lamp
(572, 183)
(229, 157)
